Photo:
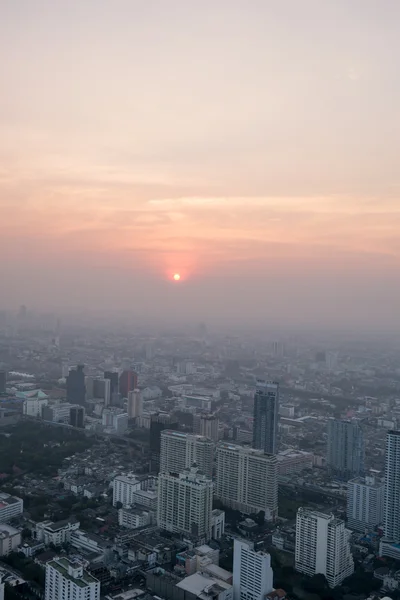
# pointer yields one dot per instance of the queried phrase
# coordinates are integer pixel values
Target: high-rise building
(266, 410)
(113, 376)
(76, 389)
(66, 579)
(159, 422)
(247, 479)
(322, 546)
(1, 589)
(128, 381)
(77, 416)
(185, 503)
(3, 381)
(207, 425)
(252, 572)
(180, 451)
(102, 390)
(135, 404)
(345, 452)
(390, 544)
(365, 502)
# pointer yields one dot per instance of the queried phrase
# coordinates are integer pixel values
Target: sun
(177, 277)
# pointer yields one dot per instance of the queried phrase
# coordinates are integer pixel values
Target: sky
(250, 145)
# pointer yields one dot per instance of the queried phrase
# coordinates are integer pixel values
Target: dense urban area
(194, 464)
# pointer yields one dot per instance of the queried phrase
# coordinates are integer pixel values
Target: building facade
(252, 572)
(185, 503)
(180, 451)
(365, 503)
(10, 539)
(66, 580)
(322, 546)
(76, 388)
(135, 404)
(345, 452)
(247, 479)
(10, 507)
(266, 410)
(390, 544)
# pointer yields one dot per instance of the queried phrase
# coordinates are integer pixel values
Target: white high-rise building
(180, 451)
(124, 486)
(66, 579)
(390, 544)
(185, 503)
(365, 498)
(247, 479)
(252, 572)
(323, 546)
(135, 404)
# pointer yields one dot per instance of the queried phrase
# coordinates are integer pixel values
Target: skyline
(250, 147)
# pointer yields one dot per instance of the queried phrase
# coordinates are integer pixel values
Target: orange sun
(177, 277)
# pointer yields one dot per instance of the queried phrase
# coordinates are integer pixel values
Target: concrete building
(180, 451)
(66, 580)
(135, 404)
(133, 518)
(218, 524)
(266, 410)
(55, 533)
(76, 389)
(390, 544)
(322, 546)
(58, 412)
(34, 401)
(10, 507)
(205, 587)
(365, 503)
(252, 572)
(10, 539)
(247, 479)
(77, 416)
(1, 583)
(123, 488)
(294, 461)
(185, 503)
(207, 426)
(345, 452)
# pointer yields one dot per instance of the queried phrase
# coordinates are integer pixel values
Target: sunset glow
(237, 152)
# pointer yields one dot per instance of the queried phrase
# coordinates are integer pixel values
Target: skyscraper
(266, 408)
(128, 382)
(365, 503)
(390, 544)
(135, 404)
(345, 453)
(77, 416)
(113, 376)
(322, 546)
(66, 579)
(207, 425)
(252, 572)
(159, 422)
(180, 451)
(76, 389)
(185, 503)
(247, 479)
(3, 381)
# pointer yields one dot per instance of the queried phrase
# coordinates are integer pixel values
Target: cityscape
(199, 463)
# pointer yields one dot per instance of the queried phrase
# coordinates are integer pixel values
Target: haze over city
(251, 147)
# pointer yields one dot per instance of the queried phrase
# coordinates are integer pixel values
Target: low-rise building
(10, 539)
(55, 533)
(10, 507)
(133, 518)
(294, 461)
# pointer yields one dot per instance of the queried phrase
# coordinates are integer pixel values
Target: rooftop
(62, 565)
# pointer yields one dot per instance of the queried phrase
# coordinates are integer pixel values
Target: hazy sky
(251, 145)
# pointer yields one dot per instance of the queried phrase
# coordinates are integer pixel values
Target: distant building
(365, 503)
(345, 455)
(128, 381)
(204, 587)
(252, 572)
(185, 503)
(58, 412)
(34, 401)
(390, 544)
(266, 410)
(135, 404)
(102, 390)
(129, 490)
(77, 416)
(294, 461)
(180, 451)
(218, 524)
(10, 507)
(66, 580)
(206, 425)
(3, 381)
(55, 533)
(159, 422)
(133, 518)
(247, 479)
(113, 376)
(10, 539)
(76, 389)
(322, 546)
